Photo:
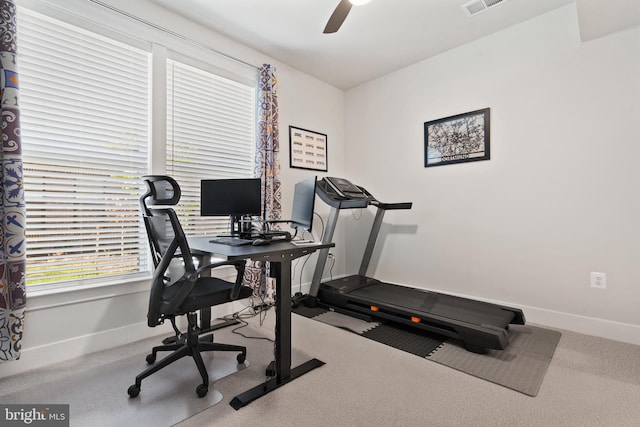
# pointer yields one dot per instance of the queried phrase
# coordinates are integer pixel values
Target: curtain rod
(172, 33)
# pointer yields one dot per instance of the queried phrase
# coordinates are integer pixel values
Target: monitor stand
(241, 226)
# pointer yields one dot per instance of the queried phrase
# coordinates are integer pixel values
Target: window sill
(73, 293)
(45, 297)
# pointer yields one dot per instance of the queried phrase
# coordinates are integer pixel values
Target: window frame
(189, 212)
(164, 44)
(68, 198)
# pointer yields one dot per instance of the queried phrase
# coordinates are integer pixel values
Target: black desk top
(274, 251)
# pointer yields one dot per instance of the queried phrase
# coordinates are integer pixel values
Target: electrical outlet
(598, 280)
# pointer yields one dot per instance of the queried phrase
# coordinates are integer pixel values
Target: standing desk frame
(280, 255)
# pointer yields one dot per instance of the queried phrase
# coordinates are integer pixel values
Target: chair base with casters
(179, 287)
(189, 344)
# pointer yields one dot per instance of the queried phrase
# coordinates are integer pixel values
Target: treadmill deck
(441, 313)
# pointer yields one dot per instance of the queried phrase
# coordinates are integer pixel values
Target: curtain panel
(12, 228)
(267, 167)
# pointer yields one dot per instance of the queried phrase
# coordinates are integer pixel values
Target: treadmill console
(342, 194)
(345, 188)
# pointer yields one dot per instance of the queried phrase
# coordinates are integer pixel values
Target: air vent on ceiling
(476, 6)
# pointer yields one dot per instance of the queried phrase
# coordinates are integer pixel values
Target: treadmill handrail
(392, 206)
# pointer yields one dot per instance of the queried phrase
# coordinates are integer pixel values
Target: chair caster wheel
(202, 390)
(241, 358)
(133, 391)
(151, 358)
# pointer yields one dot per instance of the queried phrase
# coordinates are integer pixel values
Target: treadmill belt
(429, 302)
(416, 301)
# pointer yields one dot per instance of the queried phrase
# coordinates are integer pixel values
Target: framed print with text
(307, 149)
(457, 139)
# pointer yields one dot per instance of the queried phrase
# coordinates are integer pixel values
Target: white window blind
(85, 117)
(210, 135)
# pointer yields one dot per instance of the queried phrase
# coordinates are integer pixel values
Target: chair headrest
(162, 190)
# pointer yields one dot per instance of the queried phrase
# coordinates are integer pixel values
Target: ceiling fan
(340, 14)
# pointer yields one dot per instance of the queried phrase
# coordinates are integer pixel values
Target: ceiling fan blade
(338, 16)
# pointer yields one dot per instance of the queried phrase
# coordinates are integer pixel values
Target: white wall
(557, 200)
(559, 197)
(62, 326)
(310, 104)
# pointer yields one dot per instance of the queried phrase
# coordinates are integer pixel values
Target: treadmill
(479, 325)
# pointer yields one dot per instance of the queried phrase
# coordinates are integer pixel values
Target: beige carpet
(591, 382)
(97, 392)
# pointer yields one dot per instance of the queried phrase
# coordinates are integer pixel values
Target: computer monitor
(304, 198)
(236, 197)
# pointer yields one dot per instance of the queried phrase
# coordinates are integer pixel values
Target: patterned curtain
(12, 247)
(267, 167)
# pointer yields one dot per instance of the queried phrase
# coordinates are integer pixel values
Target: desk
(280, 255)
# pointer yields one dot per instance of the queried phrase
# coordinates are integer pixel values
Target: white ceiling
(375, 39)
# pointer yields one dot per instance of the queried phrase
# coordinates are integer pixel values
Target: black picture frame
(461, 138)
(308, 149)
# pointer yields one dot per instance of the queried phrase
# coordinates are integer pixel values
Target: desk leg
(283, 319)
(284, 373)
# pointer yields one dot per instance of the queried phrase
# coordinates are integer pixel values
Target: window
(86, 111)
(210, 135)
(85, 120)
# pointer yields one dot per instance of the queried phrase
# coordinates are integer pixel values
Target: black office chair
(178, 287)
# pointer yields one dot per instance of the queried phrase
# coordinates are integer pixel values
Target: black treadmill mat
(309, 312)
(521, 367)
(418, 342)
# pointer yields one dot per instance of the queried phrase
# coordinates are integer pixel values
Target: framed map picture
(457, 139)
(307, 149)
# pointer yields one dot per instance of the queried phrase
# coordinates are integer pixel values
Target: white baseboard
(617, 331)
(60, 351)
